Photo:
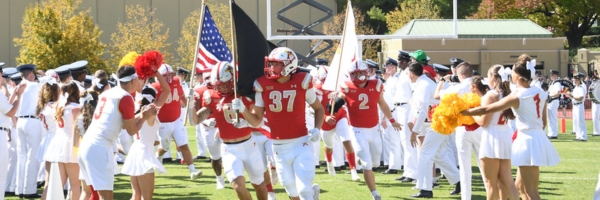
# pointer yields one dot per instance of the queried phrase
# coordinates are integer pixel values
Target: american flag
(212, 48)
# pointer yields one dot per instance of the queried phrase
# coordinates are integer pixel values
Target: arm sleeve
(311, 96)
(126, 107)
(258, 101)
(422, 112)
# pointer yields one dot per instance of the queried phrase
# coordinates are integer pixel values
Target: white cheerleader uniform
(49, 125)
(532, 147)
(141, 159)
(496, 138)
(61, 147)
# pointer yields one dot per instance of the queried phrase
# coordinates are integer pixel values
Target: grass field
(574, 178)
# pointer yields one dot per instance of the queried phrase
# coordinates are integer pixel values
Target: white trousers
(467, 142)
(11, 178)
(338, 152)
(3, 156)
(29, 137)
(200, 144)
(241, 157)
(579, 122)
(410, 153)
(265, 146)
(434, 150)
(334, 139)
(213, 144)
(291, 162)
(596, 118)
(367, 146)
(553, 118)
(391, 140)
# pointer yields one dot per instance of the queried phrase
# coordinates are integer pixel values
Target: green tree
(465, 8)
(409, 10)
(336, 27)
(189, 31)
(57, 32)
(140, 33)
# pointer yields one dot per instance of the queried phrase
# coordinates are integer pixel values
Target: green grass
(574, 178)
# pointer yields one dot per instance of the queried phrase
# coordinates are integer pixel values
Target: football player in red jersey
(208, 129)
(362, 97)
(170, 125)
(336, 124)
(239, 148)
(280, 97)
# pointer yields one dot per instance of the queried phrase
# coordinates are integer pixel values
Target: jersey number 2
(277, 97)
(364, 99)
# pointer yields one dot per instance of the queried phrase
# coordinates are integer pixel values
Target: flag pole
(233, 54)
(195, 61)
(337, 76)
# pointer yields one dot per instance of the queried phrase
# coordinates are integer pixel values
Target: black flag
(252, 47)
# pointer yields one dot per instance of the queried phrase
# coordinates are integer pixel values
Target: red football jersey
(362, 103)
(327, 99)
(171, 110)
(285, 105)
(198, 100)
(221, 109)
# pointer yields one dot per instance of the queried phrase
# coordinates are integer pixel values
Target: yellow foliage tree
(336, 27)
(409, 10)
(140, 33)
(189, 31)
(57, 32)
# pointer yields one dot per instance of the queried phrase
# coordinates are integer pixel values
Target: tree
(569, 18)
(140, 33)
(189, 32)
(369, 47)
(465, 8)
(409, 10)
(57, 32)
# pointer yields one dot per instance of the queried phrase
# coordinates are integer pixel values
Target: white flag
(346, 53)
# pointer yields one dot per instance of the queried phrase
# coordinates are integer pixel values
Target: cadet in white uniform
(12, 144)
(554, 92)
(391, 137)
(402, 97)
(537, 79)
(78, 72)
(578, 96)
(595, 113)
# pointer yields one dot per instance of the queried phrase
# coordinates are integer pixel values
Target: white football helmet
(283, 55)
(221, 77)
(358, 72)
(166, 71)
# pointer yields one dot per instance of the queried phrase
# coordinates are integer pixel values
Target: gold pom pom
(129, 59)
(447, 117)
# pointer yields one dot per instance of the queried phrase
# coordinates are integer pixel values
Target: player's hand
(149, 111)
(237, 105)
(314, 135)
(397, 126)
(241, 123)
(413, 140)
(210, 122)
(330, 120)
(384, 124)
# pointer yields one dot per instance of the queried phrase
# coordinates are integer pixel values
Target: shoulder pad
(379, 85)
(306, 82)
(257, 86)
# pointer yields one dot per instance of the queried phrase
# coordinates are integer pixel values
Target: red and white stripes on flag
(211, 48)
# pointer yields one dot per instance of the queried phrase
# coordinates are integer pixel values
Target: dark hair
(521, 67)
(416, 68)
(25, 73)
(501, 86)
(478, 83)
(48, 93)
(73, 91)
(87, 110)
(100, 74)
(149, 91)
(77, 74)
(124, 72)
(64, 77)
(99, 90)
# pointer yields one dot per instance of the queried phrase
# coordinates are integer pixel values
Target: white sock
(192, 168)
(220, 177)
(374, 193)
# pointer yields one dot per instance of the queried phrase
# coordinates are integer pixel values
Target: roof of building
(476, 28)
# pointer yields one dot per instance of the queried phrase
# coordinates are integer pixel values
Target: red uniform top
(284, 105)
(220, 107)
(362, 103)
(327, 99)
(171, 110)
(198, 92)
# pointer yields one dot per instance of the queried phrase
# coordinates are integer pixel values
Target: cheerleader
(141, 162)
(496, 141)
(63, 146)
(531, 149)
(90, 99)
(46, 112)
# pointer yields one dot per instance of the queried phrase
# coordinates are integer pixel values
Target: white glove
(241, 123)
(237, 105)
(210, 122)
(314, 135)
